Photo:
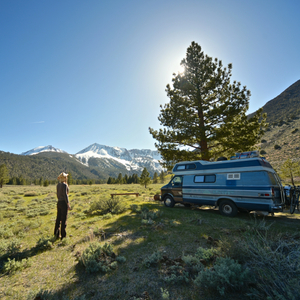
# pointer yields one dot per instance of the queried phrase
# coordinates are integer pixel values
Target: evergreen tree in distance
(162, 177)
(206, 116)
(145, 178)
(120, 178)
(155, 178)
(290, 169)
(70, 178)
(3, 175)
(125, 179)
(110, 180)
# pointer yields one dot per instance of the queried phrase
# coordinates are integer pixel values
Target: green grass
(55, 272)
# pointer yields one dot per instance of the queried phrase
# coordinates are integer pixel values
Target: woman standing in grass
(63, 205)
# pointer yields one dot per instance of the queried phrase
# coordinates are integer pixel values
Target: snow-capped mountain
(40, 149)
(132, 160)
(111, 161)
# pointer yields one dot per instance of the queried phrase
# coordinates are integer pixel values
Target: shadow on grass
(176, 231)
(44, 244)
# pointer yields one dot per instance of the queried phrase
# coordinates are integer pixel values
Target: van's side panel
(252, 191)
(252, 184)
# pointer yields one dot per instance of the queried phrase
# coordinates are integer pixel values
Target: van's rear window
(272, 179)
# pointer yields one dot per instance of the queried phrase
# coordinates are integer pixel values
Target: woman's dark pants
(61, 219)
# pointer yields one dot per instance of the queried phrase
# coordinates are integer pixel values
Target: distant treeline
(135, 179)
(45, 182)
(126, 179)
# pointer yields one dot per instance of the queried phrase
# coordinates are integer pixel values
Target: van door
(279, 195)
(176, 187)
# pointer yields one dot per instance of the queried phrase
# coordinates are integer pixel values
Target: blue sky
(73, 73)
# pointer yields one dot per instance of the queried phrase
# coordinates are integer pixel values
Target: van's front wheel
(169, 201)
(227, 208)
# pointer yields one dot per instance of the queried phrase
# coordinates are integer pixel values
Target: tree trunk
(292, 178)
(203, 140)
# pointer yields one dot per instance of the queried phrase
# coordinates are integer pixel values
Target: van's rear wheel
(169, 201)
(228, 208)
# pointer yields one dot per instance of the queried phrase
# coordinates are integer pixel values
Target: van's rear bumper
(277, 208)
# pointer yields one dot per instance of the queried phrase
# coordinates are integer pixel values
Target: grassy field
(166, 250)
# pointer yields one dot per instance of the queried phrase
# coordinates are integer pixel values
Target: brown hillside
(285, 106)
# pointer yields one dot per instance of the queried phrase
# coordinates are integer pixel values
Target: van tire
(227, 208)
(169, 201)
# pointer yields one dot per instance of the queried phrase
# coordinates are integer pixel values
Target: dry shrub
(97, 258)
(30, 194)
(273, 260)
(106, 206)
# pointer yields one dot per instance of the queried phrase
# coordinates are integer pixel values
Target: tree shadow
(14, 252)
(136, 241)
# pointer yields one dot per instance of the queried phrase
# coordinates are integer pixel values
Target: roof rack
(247, 154)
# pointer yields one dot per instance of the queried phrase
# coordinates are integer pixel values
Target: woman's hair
(62, 177)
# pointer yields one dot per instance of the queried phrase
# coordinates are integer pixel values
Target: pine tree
(290, 169)
(21, 180)
(13, 181)
(162, 177)
(70, 178)
(3, 175)
(145, 178)
(125, 180)
(135, 178)
(155, 178)
(206, 116)
(120, 178)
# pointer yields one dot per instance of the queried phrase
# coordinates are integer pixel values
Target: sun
(181, 69)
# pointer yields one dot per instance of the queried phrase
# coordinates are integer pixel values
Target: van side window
(186, 167)
(177, 181)
(199, 179)
(190, 166)
(210, 178)
(181, 167)
(205, 178)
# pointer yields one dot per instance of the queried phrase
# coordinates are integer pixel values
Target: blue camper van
(244, 183)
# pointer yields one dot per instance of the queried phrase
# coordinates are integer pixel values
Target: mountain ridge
(131, 161)
(40, 149)
(97, 162)
(285, 105)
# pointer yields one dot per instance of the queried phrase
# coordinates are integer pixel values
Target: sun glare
(181, 69)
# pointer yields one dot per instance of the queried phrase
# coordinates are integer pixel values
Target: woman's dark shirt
(62, 192)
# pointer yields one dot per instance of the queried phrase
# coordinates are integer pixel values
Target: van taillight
(273, 194)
